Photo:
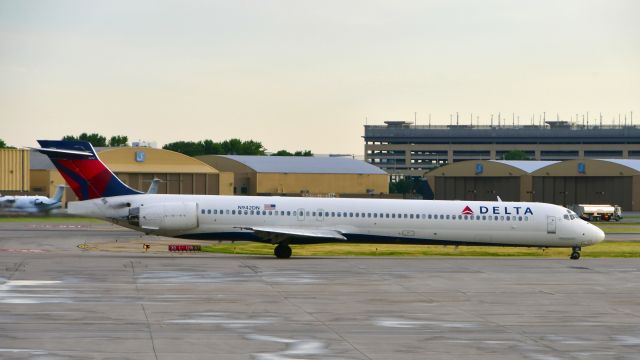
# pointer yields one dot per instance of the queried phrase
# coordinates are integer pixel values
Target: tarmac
(58, 301)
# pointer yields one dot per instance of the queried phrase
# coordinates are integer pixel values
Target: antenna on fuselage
(499, 200)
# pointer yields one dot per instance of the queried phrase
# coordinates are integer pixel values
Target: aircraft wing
(277, 233)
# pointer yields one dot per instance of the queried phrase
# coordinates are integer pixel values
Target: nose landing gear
(282, 251)
(575, 253)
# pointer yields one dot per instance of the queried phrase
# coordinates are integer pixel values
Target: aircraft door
(320, 215)
(300, 214)
(551, 224)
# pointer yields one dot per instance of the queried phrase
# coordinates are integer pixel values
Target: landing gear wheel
(282, 251)
(575, 254)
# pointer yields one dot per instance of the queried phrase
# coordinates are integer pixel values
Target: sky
(298, 74)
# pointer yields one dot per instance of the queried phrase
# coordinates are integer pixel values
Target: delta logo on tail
(467, 211)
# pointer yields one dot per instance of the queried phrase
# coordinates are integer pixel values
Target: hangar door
(477, 188)
(583, 190)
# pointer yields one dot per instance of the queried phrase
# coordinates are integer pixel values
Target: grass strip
(604, 249)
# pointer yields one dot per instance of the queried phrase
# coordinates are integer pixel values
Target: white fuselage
(359, 220)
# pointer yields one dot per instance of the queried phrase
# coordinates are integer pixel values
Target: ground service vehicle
(592, 212)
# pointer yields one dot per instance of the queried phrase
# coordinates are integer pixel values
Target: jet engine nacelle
(172, 216)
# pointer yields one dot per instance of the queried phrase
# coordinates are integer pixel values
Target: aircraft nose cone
(596, 235)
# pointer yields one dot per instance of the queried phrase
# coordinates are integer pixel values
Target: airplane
(283, 221)
(32, 204)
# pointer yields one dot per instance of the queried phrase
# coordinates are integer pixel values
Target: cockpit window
(572, 217)
(566, 217)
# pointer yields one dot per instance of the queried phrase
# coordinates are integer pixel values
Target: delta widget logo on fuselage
(499, 210)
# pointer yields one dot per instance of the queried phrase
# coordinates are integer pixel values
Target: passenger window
(375, 215)
(519, 218)
(357, 214)
(338, 214)
(233, 212)
(333, 214)
(466, 217)
(344, 214)
(289, 213)
(441, 217)
(508, 218)
(326, 214)
(393, 216)
(526, 218)
(314, 213)
(429, 216)
(484, 217)
(501, 218)
(448, 217)
(251, 212)
(386, 215)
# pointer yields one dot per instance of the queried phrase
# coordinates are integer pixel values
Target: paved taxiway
(60, 302)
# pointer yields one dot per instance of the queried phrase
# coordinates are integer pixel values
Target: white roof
(306, 164)
(528, 166)
(630, 163)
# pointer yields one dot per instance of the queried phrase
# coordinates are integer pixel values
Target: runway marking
(24, 250)
(401, 323)
(294, 348)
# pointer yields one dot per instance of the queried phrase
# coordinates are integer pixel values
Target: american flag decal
(269, 206)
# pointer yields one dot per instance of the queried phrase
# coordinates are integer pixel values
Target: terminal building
(404, 149)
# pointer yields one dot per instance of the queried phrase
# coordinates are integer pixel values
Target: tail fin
(81, 168)
(57, 197)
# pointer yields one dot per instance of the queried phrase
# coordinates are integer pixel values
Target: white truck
(592, 212)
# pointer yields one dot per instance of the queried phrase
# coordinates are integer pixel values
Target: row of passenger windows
(334, 214)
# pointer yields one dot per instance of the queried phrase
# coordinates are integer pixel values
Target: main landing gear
(575, 253)
(282, 251)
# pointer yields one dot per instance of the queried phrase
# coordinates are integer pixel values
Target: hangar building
(609, 181)
(14, 171)
(137, 166)
(301, 175)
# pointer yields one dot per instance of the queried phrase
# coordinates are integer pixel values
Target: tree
(96, 140)
(516, 155)
(297, 153)
(118, 140)
(282, 153)
(211, 148)
(303, 153)
(2, 144)
(188, 148)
